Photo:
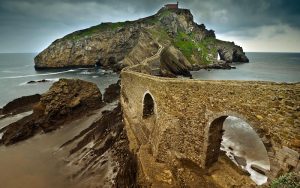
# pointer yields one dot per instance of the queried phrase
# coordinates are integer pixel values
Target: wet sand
(35, 163)
(6, 121)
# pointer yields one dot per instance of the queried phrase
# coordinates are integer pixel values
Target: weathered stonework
(187, 114)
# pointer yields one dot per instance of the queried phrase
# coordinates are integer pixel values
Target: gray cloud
(30, 25)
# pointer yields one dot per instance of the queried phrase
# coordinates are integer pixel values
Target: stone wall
(184, 110)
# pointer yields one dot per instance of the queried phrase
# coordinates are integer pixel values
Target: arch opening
(148, 106)
(236, 139)
(218, 56)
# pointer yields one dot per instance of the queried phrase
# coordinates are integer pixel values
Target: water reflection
(241, 143)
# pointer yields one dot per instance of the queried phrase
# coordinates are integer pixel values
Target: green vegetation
(98, 28)
(164, 13)
(207, 46)
(151, 20)
(289, 180)
(160, 34)
(185, 44)
(195, 51)
(189, 47)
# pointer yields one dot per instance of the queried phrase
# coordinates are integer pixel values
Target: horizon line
(244, 51)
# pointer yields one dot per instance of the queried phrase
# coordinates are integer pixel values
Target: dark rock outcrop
(230, 52)
(67, 99)
(112, 93)
(21, 104)
(108, 138)
(20, 130)
(258, 169)
(38, 81)
(173, 63)
(240, 160)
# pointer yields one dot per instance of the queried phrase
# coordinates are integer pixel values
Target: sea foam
(34, 75)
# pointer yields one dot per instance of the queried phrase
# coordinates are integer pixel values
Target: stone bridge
(180, 119)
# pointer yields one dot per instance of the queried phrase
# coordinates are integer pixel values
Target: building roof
(173, 6)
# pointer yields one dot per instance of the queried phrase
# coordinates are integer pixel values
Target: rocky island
(147, 130)
(118, 45)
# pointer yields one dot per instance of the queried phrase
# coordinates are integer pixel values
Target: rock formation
(230, 52)
(174, 63)
(97, 156)
(109, 150)
(20, 105)
(117, 45)
(112, 93)
(66, 99)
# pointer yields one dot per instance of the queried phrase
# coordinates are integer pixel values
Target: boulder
(240, 160)
(69, 96)
(258, 169)
(173, 63)
(66, 99)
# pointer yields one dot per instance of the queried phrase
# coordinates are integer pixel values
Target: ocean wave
(37, 81)
(34, 75)
(86, 68)
(8, 71)
(86, 72)
(52, 79)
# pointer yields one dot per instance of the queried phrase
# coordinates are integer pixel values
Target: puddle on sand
(241, 140)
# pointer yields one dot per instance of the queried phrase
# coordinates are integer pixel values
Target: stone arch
(148, 105)
(220, 55)
(214, 132)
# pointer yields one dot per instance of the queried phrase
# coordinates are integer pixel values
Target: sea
(239, 139)
(17, 69)
(276, 67)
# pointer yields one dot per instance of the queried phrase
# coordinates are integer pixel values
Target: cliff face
(117, 45)
(230, 52)
(101, 48)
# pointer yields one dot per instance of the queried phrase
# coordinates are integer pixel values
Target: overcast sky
(256, 25)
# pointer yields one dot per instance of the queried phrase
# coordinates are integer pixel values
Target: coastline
(209, 82)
